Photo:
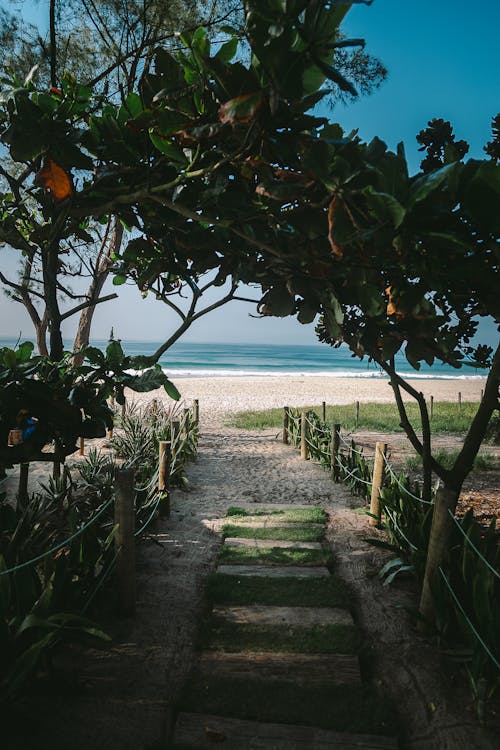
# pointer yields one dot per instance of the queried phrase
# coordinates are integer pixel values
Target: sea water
(186, 359)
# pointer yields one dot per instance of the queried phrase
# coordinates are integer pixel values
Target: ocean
(240, 360)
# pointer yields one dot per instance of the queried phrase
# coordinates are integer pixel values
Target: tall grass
(446, 418)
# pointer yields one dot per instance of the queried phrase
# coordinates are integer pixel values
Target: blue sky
(442, 59)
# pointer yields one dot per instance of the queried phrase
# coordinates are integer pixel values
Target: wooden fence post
(286, 420)
(165, 458)
(125, 540)
(432, 407)
(323, 410)
(82, 446)
(335, 451)
(377, 480)
(357, 413)
(22, 492)
(482, 394)
(459, 401)
(196, 410)
(303, 436)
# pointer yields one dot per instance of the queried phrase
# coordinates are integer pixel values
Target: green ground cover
(280, 533)
(446, 417)
(280, 592)
(346, 709)
(218, 634)
(292, 515)
(272, 556)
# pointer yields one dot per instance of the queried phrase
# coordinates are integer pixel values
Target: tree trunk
(101, 274)
(439, 545)
(50, 261)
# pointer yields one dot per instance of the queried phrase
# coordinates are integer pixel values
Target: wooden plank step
(306, 617)
(269, 543)
(310, 669)
(206, 731)
(277, 571)
(269, 522)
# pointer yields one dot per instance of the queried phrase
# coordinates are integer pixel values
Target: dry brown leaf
(55, 180)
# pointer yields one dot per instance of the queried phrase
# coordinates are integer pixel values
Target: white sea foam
(174, 372)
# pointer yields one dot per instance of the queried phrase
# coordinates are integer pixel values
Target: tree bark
(439, 544)
(103, 265)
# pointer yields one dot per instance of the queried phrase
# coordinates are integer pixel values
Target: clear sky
(442, 58)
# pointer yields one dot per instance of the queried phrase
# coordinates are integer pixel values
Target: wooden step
(270, 543)
(205, 731)
(305, 617)
(276, 571)
(269, 522)
(310, 669)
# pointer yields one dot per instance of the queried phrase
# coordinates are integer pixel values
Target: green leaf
(24, 351)
(171, 390)
(227, 50)
(426, 184)
(9, 358)
(169, 148)
(385, 207)
(119, 279)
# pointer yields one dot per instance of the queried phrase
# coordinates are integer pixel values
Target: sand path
(125, 696)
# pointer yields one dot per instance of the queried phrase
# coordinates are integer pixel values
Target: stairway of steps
(252, 693)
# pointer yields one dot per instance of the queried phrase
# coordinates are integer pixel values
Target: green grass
(280, 533)
(372, 416)
(272, 556)
(280, 592)
(293, 515)
(220, 635)
(349, 708)
(483, 461)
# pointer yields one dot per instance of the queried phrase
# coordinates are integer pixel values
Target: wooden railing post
(165, 457)
(124, 540)
(335, 451)
(24, 470)
(286, 421)
(357, 413)
(303, 436)
(82, 446)
(196, 410)
(323, 410)
(377, 481)
(459, 401)
(432, 407)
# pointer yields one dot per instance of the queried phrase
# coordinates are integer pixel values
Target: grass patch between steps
(280, 533)
(272, 556)
(292, 515)
(280, 592)
(347, 708)
(220, 635)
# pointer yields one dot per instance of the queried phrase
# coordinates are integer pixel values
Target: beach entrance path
(137, 694)
(279, 664)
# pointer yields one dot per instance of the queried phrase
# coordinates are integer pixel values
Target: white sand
(219, 396)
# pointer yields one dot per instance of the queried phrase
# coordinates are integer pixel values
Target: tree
(110, 43)
(116, 47)
(394, 262)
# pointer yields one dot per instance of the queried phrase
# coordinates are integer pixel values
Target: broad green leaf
(171, 390)
(428, 183)
(169, 148)
(228, 50)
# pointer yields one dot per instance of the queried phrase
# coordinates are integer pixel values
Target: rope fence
(171, 457)
(407, 524)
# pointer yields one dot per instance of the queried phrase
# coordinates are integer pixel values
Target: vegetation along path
(219, 645)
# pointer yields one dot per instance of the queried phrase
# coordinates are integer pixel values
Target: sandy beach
(220, 396)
